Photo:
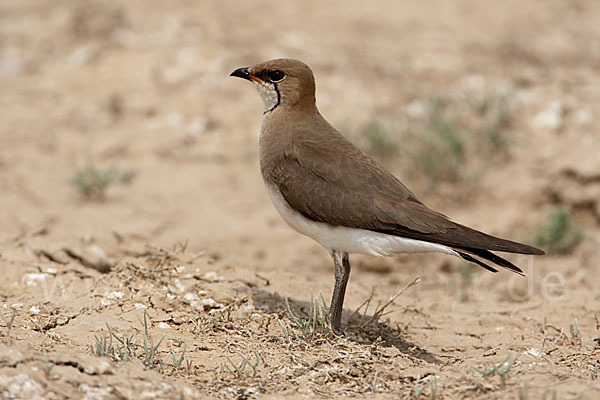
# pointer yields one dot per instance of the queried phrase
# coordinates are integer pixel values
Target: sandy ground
(187, 237)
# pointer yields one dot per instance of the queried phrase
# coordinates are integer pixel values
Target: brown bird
(326, 188)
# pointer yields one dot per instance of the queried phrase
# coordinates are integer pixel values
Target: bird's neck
(278, 130)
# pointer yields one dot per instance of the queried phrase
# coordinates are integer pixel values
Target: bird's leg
(342, 273)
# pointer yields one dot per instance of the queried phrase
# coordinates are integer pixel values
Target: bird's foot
(336, 328)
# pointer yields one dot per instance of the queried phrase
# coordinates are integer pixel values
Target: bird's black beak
(241, 73)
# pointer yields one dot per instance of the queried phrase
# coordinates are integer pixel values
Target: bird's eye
(276, 76)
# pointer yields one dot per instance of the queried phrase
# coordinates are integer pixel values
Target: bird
(325, 187)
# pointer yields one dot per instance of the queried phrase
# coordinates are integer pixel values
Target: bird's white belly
(350, 240)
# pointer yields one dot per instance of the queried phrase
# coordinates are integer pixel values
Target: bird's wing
(317, 181)
(331, 156)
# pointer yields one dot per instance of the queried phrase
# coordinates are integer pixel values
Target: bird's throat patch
(269, 93)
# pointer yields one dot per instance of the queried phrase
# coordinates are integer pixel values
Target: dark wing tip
(525, 249)
(472, 259)
(496, 259)
(465, 237)
(538, 252)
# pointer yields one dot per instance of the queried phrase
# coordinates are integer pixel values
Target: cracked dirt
(183, 255)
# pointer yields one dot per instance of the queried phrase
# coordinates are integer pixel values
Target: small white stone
(180, 269)
(164, 325)
(533, 352)
(115, 295)
(212, 276)
(97, 251)
(190, 296)
(34, 310)
(583, 117)
(209, 302)
(197, 127)
(417, 109)
(139, 306)
(33, 278)
(54, 335)
(550, 117)
(179, 286)
(473, 82)
(196, 305)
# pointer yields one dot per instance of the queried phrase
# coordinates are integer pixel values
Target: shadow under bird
(328, 189)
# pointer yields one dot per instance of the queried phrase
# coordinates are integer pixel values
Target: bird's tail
(489, 256)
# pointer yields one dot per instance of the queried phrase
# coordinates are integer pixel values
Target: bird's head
(281, 83)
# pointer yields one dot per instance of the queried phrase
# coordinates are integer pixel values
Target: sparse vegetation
(255, 346)
(318, 325)
(126, 349)
(561, 234)
(8, 322)
(239, 370)
(149, 347)
(501, 369)
(92, 182)
(447, 141)
(575, 332)
(439, 148)
(103, 346)
(177, 360)
(493, 118)
(380, 309)
(48, 365)
(466, 272)
(144, 322)
(429, 382)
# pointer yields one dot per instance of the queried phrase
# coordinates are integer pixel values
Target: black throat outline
(274, 106)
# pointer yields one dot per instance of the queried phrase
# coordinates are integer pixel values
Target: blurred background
(120, 129)
(121, 116)
(119, 121)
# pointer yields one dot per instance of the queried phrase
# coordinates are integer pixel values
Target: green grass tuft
(430, 382)
(318, 325)
(561, 234)
(239, 370)
(440, 148)
(501, 369)
(8, 322)
(103, 346)
(92, 182)
(446, 142)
